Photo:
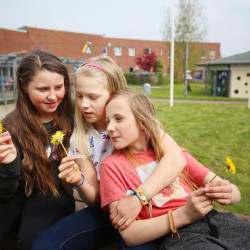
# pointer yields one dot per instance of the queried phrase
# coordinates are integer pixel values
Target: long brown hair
(145, 115)
(28, 132)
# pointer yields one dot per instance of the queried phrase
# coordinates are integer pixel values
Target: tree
(160, 66)
(147, 61)
(190, 23)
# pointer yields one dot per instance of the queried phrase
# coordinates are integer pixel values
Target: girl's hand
(125, 212)
(8, 151)
(221, 191)
(67, 171)
(197, 205)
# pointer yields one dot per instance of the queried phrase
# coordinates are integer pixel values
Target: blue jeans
(86, 229)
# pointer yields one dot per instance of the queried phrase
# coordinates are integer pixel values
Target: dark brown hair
(28, 132)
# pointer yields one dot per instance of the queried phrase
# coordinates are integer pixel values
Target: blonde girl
(96, 81)
(136, 134)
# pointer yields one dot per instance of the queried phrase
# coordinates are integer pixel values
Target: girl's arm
(221, 191)
(10, 167)
(142, 231)
(169, 167)
(90, 190)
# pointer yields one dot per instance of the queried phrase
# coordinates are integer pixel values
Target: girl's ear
(22, 85)
(141, 126)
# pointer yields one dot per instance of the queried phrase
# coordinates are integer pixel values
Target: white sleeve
(73, 150)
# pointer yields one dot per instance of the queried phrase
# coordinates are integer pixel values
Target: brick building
(83, 46)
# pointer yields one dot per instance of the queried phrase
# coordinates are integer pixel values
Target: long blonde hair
(116, 81)
(144, 113)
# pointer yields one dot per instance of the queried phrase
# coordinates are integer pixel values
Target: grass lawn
(211, 132)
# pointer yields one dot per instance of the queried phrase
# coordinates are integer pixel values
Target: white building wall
(240, 82)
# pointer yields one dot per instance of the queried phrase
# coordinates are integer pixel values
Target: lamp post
(171, 102)
(186, 69)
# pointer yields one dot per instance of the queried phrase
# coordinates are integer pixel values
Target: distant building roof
(243, 58)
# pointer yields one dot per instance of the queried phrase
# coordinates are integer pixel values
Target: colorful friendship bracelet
(149, 199)
(172, 224)
(144, 197)
(93, 65)
(83, 180)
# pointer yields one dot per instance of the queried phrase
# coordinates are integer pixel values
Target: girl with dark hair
(32, 197)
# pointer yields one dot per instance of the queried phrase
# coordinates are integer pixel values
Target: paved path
(199, 101)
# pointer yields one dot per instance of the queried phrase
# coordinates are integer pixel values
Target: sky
(228, 21)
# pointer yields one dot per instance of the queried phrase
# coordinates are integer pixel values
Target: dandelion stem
(67, 155)
(217, 174)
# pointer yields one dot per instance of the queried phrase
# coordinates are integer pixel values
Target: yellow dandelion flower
(1, 128)
(245, 173)
(217, 131)
(57, 138)
(230, 165)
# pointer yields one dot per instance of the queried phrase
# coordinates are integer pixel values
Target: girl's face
(123, 128)
(46, 91)
(91, 96)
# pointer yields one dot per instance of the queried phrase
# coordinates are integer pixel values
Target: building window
(212, 54)
(169, 53)
(161, 52)
(131, 69)
(203, 54)
(118, 51)
(148, 50)
(105, 50)
(131, 51)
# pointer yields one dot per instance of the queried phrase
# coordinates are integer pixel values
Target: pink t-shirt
(117, 175)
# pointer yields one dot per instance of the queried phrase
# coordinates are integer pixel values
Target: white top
(100, 146)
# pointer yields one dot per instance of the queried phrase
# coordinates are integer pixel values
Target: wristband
(131, 192)
(142, 196)
(83, 180)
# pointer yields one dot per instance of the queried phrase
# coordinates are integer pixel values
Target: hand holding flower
(221, 191)
(68, 172)
(8, 151)
(197, 206)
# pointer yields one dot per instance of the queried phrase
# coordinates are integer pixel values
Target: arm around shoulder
(169, 167)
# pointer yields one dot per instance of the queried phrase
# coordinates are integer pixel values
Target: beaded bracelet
(83, 180)
(172, 224)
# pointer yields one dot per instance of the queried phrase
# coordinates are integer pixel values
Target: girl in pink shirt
(189, 215)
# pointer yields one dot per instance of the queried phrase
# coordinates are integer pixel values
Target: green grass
(197, 92)
(212, 132)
